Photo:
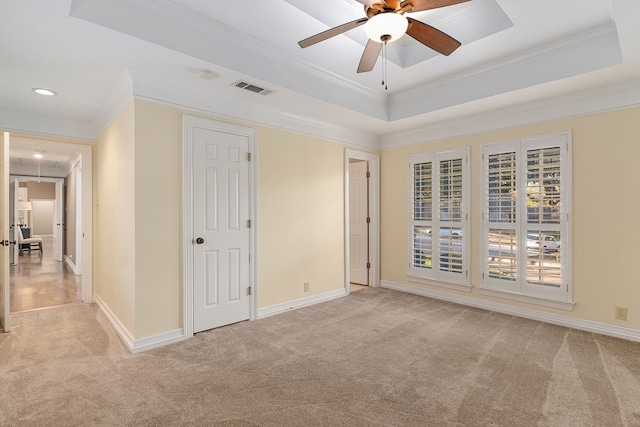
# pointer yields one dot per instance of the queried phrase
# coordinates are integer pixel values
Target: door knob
(199, 240)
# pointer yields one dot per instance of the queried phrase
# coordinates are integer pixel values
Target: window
(526, 193)
(438, 218)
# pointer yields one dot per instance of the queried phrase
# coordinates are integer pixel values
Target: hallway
(39, 281)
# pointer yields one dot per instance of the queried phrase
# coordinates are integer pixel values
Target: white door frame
(190, 123)
(374, 214)
(85, 151)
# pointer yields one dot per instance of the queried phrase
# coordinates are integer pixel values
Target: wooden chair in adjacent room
(29, 243)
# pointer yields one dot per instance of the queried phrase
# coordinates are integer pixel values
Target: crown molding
(555, 61)
(593, 101)
(119, 98)
(46, 126)
(181, 93)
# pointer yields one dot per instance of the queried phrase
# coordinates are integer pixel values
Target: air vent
(251, 87)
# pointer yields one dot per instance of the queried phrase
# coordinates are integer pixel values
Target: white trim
(584, 103)
(141, 344)
(546, 302)
(300, 303)
(71, 265)
(606, 35)
(189, 123)
(121, 330)
(179, 93)
(155, 341)
(374, 214)
(116, 102)
(455, 286)
(527, 313)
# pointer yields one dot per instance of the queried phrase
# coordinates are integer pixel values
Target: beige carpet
(376, 358)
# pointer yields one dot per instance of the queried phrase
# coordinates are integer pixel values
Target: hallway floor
(39, 281)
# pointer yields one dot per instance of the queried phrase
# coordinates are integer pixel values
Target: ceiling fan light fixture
(386, 26)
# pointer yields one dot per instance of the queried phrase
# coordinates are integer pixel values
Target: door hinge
(482, 276)
(248, 223)
(368, 174)
(368, 220)
(368, 265)
(249, 291)
(249, 156)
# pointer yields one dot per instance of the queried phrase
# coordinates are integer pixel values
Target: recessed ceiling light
(45, 92)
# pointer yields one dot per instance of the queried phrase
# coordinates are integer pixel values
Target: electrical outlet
(621, 313)
(306, 286)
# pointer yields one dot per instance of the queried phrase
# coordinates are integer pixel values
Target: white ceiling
(519, 62)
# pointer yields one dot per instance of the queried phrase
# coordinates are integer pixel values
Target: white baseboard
(160, 340)
(71, 265)
(141, 344)
(556, 319)
(120, 329)
(299, 303)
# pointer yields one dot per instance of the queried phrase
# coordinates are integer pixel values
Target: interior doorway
(362, 219)
(53, 204)
(41, 275)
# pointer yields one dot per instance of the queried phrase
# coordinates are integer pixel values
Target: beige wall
(605, 206)
(114, 208)
(300, 217)
(42, 217)
(41, 190)
(158, 189)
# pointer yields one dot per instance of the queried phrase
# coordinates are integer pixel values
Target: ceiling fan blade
(432, 37)
(369, 56)
(332, 32)
(419, 5)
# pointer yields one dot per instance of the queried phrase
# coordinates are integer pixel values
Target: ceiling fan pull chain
(384, 65)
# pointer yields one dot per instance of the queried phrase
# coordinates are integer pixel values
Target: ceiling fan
(385, 22)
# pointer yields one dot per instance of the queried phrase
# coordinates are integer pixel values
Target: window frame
(521, 289)
(436, 275)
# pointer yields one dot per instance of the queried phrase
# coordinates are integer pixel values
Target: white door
(58, 232)
(5, 288)
(358, 226)
(221, 214)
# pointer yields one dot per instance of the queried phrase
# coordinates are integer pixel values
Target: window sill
(454, 286)
(551, 303)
